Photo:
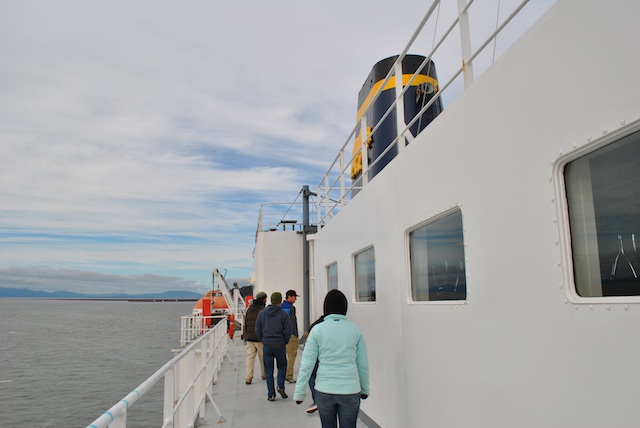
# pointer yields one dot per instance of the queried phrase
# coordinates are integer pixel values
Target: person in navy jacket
(273, 329)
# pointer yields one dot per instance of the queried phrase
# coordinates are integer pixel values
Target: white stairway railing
(188, 383)
(231, 295)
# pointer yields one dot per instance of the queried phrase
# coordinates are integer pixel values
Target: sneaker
(281, 392)
(312, 408)
(271, 398)
(291, 381)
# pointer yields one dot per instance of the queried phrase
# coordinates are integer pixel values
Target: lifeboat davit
(213, 303)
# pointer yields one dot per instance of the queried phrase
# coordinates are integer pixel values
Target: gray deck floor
(245, 405)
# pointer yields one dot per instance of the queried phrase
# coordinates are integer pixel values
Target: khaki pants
(292, 352)
(254, 348)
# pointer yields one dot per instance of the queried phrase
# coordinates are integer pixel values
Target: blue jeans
(280, 355)
(338, 407)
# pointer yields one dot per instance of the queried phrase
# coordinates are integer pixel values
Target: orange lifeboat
(219, 303)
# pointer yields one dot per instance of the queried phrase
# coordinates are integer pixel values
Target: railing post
(183, 330)
(342, 183)
(189, 386)
(169, 394)
(201, 382)
(364, 152)
(327, 191)
(465, 40)
(399, 106)
(320, 200)
(119, 421)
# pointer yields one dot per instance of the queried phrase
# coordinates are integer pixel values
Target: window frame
(355, 276)
(328, 273)
(565, 240)
(408, 233)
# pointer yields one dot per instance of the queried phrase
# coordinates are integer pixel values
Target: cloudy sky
(139, 138)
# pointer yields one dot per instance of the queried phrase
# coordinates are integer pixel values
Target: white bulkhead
(523, 349)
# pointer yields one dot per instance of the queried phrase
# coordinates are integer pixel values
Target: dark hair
(335, 303)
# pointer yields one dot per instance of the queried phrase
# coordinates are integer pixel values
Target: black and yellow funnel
(423, 88)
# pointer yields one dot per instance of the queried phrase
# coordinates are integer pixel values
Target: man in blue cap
(292, 347)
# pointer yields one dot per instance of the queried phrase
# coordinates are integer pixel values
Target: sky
(138, 139)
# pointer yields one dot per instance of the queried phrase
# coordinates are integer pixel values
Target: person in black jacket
(312, 380)
(253, 344)
(273, 328)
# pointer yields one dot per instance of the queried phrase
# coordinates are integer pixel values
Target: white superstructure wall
(278, 266)
(519, 351)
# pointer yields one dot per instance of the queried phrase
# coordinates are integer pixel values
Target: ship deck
(245, 405)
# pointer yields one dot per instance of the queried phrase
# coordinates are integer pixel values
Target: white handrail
(274, 215)
(188, 383)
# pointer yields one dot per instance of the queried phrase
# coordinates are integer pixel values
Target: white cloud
(168, 123)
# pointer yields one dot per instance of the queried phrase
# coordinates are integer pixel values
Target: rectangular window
(365, 276)
(436, 252)
(603, 198)
(332, 276)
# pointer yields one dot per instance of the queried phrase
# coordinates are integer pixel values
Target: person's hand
(298, 402)
(364, 396)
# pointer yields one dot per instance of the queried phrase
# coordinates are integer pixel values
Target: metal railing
(334, 190)
(195, 325)
(280, 216)
(188, 383)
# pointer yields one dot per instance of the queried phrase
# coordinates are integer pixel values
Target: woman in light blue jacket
(343, 371)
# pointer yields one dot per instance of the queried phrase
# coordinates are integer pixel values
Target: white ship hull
(523, 349)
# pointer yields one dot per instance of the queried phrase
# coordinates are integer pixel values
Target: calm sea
(65, 362)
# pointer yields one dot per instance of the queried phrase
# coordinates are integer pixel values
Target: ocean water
(65, 362)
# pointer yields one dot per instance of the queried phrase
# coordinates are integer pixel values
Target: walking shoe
(281, 392)
(271, 398)
(291, 381)
(312, 408)
(248, 381)
(264, 377)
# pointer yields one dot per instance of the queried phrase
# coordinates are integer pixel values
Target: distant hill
(168, 295)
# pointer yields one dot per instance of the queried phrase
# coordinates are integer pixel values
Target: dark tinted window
(365, 268)
(332, 276)
(603, 196)
(437, 260)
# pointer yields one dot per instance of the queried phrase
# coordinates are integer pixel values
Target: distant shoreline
(103, 299)
(128, 300)
(169, 296)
